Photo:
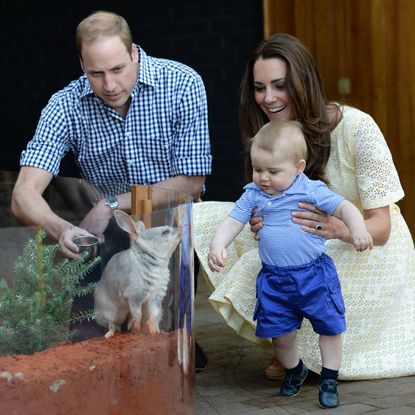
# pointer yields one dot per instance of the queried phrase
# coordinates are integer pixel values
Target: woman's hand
(256, 224)
(319, 223)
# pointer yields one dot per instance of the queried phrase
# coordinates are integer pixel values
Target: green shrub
(35, 310)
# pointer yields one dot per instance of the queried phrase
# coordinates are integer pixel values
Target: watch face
(111, 202)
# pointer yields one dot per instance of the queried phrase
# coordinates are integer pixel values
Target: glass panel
(53, 352)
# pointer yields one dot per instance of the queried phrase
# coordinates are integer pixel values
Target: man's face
(111, 71)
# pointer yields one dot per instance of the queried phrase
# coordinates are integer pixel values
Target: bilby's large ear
(126, 223)
(140, 226)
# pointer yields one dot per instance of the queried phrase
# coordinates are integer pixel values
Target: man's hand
(94, 224)
(66, 244)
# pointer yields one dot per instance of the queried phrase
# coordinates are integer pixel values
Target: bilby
(134, 282)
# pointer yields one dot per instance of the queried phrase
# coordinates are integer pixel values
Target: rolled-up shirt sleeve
(191, 148)
(49, 144)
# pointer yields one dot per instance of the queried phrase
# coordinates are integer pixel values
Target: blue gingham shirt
(164, 134)
(283, 242)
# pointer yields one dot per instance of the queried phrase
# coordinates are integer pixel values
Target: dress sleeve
(376, 175)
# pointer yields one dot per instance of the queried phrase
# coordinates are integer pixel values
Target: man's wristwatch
(112, 202)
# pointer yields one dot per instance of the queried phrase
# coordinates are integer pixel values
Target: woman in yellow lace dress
(349, 152)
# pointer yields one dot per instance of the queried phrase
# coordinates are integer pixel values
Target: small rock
(7, 375)
(57, 385)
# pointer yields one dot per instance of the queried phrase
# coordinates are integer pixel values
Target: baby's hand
(217, 258)
(361, 240)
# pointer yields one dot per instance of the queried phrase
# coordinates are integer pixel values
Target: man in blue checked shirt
(130, 119)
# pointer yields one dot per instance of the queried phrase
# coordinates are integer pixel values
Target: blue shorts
(285, 295)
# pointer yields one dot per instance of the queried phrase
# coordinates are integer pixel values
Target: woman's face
(270, 92)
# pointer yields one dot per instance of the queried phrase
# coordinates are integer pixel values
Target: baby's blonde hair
(282, 137)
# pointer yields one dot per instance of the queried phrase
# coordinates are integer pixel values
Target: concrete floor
(234, 382)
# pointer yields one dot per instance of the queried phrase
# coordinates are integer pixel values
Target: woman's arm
(377, 222)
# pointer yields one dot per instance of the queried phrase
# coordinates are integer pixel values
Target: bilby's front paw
(152, 328)
(135, 327)
(109, 334)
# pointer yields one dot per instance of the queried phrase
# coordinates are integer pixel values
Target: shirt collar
(87, 90)
(146, 72)
(299, 186)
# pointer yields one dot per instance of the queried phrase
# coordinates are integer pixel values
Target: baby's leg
(331, 351)
(328, 385)
(296, 372)
(286, 349)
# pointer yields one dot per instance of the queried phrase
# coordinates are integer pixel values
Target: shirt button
(269, 203)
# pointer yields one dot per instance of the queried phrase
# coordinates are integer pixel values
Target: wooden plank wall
(369, 45)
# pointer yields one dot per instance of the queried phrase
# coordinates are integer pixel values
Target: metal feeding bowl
(87, 244)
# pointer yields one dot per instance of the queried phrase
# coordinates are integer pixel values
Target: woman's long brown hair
(304, 88)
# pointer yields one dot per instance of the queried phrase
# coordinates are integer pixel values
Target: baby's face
(272, 173)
